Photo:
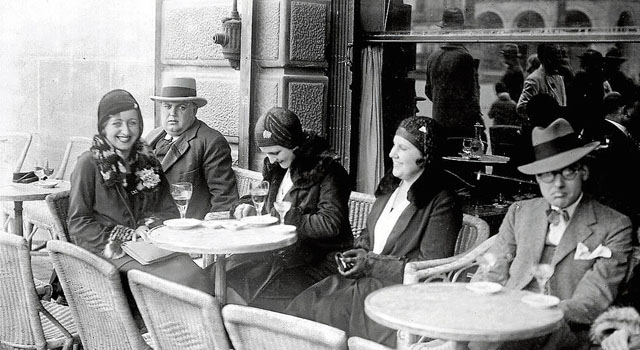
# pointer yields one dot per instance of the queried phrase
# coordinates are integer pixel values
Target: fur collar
(430, 183)
(143, 165)
(314, 160)
(614, 319)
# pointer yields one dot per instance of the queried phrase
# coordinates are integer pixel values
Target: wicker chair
(244, 178)
(25, 321)
(359, 207)
(93, 289)
(357, 343)
(37, 215)
(252, 328)
(58, 204)
(474, 231)
(14, 147)
(176, 316)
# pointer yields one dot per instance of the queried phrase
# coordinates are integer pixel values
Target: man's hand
(356, 257)
(244, 210)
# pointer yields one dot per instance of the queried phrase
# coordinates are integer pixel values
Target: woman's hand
(243, 210)
(356, 257)
(618, 340)
(143, 232)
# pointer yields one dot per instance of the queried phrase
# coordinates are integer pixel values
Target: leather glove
(121, 233)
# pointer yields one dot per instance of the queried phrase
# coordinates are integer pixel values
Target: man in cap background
(191, 151)
(586, 243)
(452, 84)
(513, 77)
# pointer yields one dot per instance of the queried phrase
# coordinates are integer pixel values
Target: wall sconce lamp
(230, 38)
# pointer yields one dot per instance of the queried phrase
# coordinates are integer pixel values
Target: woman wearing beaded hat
(118, 190)
(416, 216)
(300, 169)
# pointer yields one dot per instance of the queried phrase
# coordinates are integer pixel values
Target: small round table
(220, 241)
(18, 193)
(485, 159)
(451, 311)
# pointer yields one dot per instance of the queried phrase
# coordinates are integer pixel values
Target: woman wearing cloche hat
(302, 170)
(119, 191)
(416, 216)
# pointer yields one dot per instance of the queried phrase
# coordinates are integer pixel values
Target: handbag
(145, 252)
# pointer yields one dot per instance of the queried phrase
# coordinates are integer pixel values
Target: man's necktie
(553, 216)
(162, 147)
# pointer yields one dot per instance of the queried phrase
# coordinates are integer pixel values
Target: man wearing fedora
(513, 77)
(586, 243)
(452, 83)
(191, 151)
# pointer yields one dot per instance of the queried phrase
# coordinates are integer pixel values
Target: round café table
(485, 159)
(18, 193)
(219, 241)
(451, 311)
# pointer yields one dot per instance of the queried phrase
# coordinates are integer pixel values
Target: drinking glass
(466, 147)
(42, 169)
(485, 263)
(542, 273)
(181, 193)
(282, 207)
(259, 192)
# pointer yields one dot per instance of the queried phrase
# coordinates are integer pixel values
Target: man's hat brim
(558, 161)
(198, 101)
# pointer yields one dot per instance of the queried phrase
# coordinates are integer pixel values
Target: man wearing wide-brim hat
(617, 79)
(191, 151)
(585, 243)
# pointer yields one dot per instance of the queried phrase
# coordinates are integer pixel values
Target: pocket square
(583, 253)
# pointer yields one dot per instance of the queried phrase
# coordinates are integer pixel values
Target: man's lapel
(577, 231)
(180, 146)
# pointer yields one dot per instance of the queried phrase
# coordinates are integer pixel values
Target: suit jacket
(202, 156)
(585, 287)
(540, 82)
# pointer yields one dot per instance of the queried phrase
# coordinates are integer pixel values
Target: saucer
(484, 287)
(182, 224)
(540, 301)
(46, 183)
(263, 220)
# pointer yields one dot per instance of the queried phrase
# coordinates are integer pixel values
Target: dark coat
(202, 156)
(614, 179)
(94, 209)
(319, 209)
(427, 229)
(452, 86)
(513, 79)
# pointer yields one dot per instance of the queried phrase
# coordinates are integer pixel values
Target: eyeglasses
(568, 173)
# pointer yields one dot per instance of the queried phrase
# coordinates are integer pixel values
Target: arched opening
(489, 20)
(625, 20)
(529, 19)
(577, 19)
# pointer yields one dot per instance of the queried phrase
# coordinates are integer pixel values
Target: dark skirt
(271, 280)
(339, 302)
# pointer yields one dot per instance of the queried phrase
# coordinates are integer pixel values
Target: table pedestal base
(221, 280)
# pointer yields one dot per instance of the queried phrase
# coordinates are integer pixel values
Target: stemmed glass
(42, 169)
(485, 263)
(181, 193)
(259, 192)
(542, 273)
(282, 207)
(466, 147)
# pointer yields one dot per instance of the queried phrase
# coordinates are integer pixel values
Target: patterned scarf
(143, 162)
